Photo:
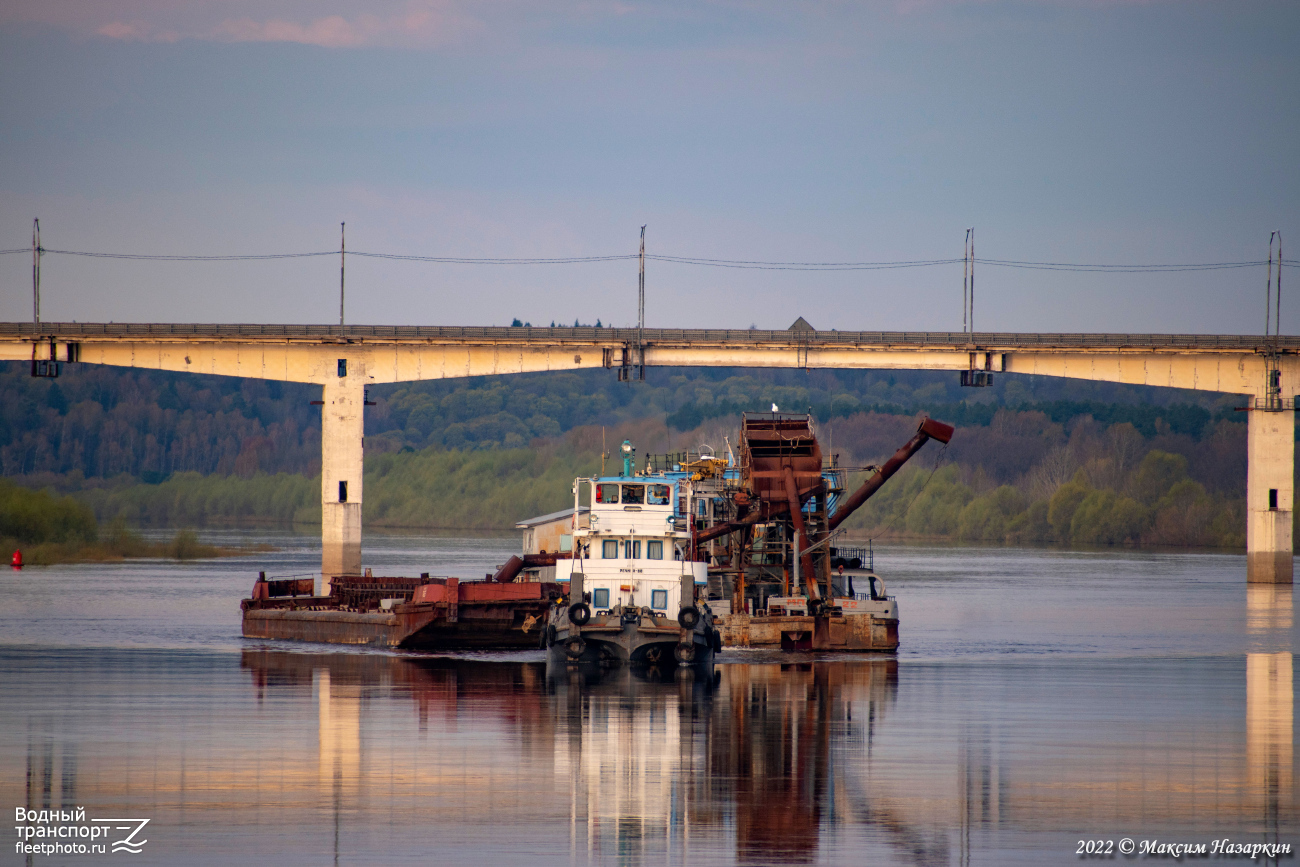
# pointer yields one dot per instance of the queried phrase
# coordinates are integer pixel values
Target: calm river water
(1040, 699)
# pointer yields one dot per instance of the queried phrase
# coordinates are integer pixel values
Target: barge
(398, 612)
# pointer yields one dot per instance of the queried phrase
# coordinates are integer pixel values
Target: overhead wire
(746, 264)
(800, 266)
(247, 257)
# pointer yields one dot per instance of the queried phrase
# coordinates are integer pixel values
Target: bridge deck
(676, 336)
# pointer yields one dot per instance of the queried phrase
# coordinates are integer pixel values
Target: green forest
(49, 529)
(1034, 460)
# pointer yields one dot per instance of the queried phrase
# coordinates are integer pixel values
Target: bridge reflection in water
(1270, 704)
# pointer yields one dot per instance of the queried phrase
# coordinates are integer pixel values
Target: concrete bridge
(345, 360)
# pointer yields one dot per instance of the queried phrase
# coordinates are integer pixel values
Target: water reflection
(51, 773)
(748, 761)
(757, 762)
(354, 758)
(1269, 613)
(1270, 703)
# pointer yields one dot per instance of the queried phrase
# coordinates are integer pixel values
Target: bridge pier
(1270, 496)
(342, 430)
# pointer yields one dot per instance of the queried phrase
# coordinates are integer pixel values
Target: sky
(1077, 131)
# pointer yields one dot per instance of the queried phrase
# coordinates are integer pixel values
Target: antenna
(343, 249)
(37, 250)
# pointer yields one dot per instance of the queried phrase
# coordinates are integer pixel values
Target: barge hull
(446, 615)
(856, 632)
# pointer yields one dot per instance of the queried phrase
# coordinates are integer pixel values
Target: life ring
(579, 613)
(688, 617)
(685, 652)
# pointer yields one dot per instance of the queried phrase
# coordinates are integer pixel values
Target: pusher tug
(633, 586)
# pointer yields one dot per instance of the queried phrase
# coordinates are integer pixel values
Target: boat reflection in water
(783, 762)
(634, 764)
(370, 758)
(744, 759)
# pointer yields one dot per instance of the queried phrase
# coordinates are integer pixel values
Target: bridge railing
(607, 336)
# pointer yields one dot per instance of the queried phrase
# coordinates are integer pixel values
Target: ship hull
(428, 616)
(611, 640)
(848, 632)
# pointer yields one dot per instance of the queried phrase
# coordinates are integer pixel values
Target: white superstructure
(633, 551)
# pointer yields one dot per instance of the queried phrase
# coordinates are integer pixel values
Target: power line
(465, 260)
(161, 258)
(1124, 269)
(800, 266)
(747, 264)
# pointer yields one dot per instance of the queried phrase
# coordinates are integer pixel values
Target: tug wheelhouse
(633, 551)
(632, 585)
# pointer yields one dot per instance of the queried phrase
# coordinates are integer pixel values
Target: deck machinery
(766, 532)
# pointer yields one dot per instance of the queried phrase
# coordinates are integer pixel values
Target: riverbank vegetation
(50, 529)
(1027, 479)
(1034, 460)
(1022, 479)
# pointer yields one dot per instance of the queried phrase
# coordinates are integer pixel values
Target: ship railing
(844, 555)
(289, 586)
(366, 592)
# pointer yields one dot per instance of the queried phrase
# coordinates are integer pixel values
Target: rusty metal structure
(767, 529)
(400, 612)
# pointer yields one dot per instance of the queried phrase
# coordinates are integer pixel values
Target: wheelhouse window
(654, 550)
(631, 549)
(609, 549)
(600, 597)
(633, 494)
(607, 494)
(659, 599)
(658, 495)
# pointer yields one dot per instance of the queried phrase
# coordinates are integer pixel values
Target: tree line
(156, 448)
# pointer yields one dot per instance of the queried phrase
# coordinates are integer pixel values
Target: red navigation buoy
(17, 561)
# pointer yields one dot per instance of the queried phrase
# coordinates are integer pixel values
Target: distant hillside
(100, 422)
(1136, 465)
(1021, 478)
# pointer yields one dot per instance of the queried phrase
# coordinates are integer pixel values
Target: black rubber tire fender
(688, 617)
(684, 652)
(717, 641)
(548, 637)
(579, 613)
(574, 647)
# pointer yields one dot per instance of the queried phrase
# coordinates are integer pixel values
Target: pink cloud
(413, 23)
(136, 32)
(334, 31)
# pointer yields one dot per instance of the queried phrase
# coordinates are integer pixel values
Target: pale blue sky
(1078, 131)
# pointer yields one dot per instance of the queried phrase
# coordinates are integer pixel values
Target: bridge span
(344, 360)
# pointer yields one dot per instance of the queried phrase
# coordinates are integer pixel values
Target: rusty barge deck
(397, 612)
